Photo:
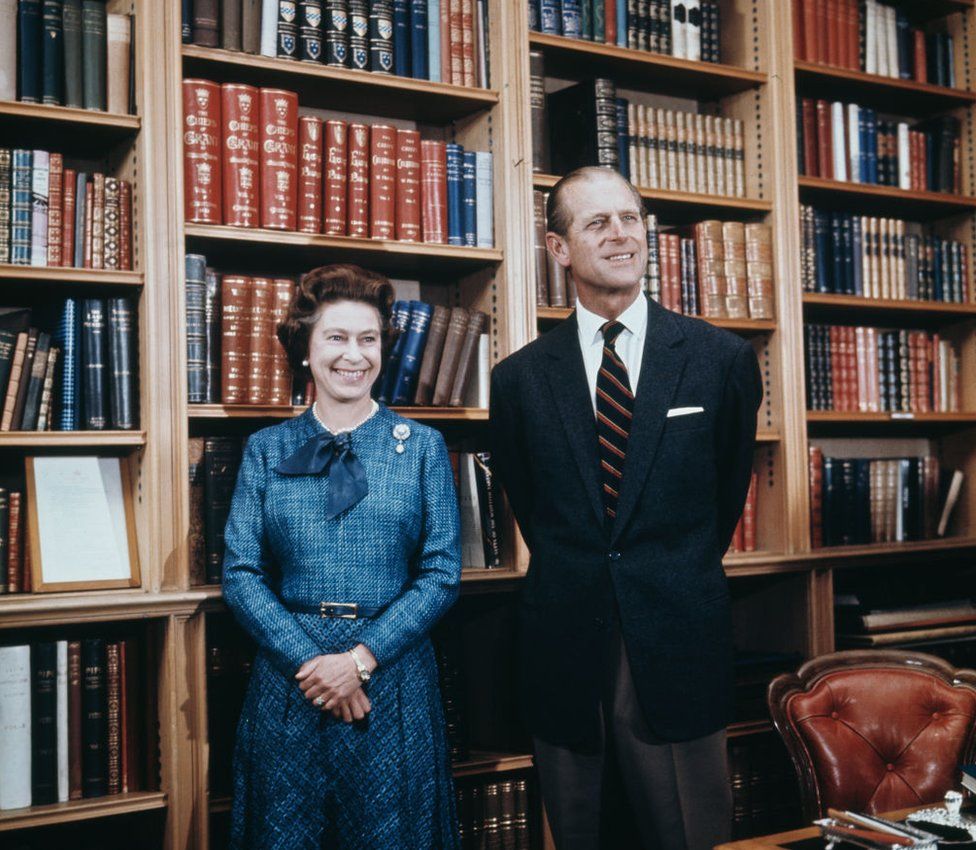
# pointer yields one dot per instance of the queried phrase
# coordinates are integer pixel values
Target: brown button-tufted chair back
(874, 731)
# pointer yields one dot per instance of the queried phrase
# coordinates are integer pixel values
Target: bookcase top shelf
(66, 439)
(863, 424)
(286, 252)
(639, 69)
(343, 89)
(890, 94)
(38, 125)
(71, 276)
(818, 305)
(548, 315)
(868, 199)
(85, 809)
(251, 411)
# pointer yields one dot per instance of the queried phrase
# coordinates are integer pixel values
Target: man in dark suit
(624, 439)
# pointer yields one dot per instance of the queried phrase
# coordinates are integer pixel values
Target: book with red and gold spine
(278, 157)
(456, 41)
(98, 221)
(68, 218)
(357, 197)
(234, 338)
(310, 174)
(408, 186)
(113, 718)
(239, 123)
(336, 177)
(55, 209)
(280, 391)
(260, 334)
(749, 517)
(14, 543)
(433, 191)
(382, 181)
(815, 464)
(201, 152)
(125, 225)
(467, 42)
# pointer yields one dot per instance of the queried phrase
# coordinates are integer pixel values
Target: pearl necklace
(372, 411)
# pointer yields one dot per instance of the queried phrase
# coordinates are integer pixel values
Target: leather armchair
(875, 730)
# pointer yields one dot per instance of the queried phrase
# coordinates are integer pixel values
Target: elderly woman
(342, 552)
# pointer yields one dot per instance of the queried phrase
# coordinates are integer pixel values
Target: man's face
(606, 245)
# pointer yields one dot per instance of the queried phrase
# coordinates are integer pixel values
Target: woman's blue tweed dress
(303, 779)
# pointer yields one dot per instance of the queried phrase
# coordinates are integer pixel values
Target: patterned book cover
(455, 194)
(234, 297)
(310, 143)
(201, 152)
(21, 213)
(240, 139)
(336, 177)
(335, 27)
(469, 211)
(381, 36)
(310, 30)
(382, 181)
(5, 177)
(278, 154)
(357, 177)
(111, 223)
(408, 185)
(359, 46)
(287, 29)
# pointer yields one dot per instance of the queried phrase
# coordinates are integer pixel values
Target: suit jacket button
(614, 556)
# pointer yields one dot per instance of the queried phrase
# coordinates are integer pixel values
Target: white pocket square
(684, 411)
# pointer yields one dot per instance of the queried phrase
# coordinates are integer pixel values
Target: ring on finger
(319, 701)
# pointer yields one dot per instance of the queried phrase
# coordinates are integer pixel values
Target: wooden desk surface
(781, 839)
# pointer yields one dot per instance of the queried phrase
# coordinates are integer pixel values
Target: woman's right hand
(355, 707)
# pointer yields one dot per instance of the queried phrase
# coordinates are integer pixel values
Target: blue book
(621, 23)
(187, 21)
(623, 137)
(81, 198)
(434, 40)
(836, 282)
(871, 144)
(400, 321)
(821, 226)
(411, 355)
(862, 142)
(551, 17)
(401, 38)
(857, 249)
(52, 87)
(469, 198)
(418, 39)
(572, 19)
(29, 51)
(21, 208)
(66, 338)
(484, 200)
(455, 194)
(534, 23)
(938, 272)
(848, 253)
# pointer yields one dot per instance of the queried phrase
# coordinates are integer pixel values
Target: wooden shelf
(572, 58)
(743, 326)
(342, 89)
(482, 764)
(480, 575)
(684, 207)
(768, 435)
(284, 251)
(868, 198)
(745, 564)
(871, 424)
(69, 276)
(902, 97)
(749, 727)
(883, 553)
(886, 310)
(79, 810)
(80, 132)
(64, 439)
(251, 411)
(18, 610)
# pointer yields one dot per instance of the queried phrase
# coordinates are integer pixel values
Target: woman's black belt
(336, 610)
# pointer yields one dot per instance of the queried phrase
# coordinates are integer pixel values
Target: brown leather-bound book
(382, 181)
(14, 544)
(445, 32)
(68, 218)
(433, 190)
(759, 270)
(537, 111)
(47, 391)
(54, 210)
(808, 117)
(260, 326)
(408, 186)
(74, 720)
(734, 268)
(477, 325)
(131, 739)
(336, 177)
(920, 57)
(832, 33)
(201, 152)
(125, 225)
(196, 542)
(467, 42)
(825, 162)
(433, 349)
(26, 368)
(234, 351)
(111, 232)
(230, 24)
(710, 256)
(283, 290)
(796, 15)
(251, 26)
(278, 155)
(117, 62)
(206, 29)
(13, 381)
(239, 144)
(456, 41)
(558, 283)
(87, 229)
(114, 737)
(26, 580)
(810, 31)
(815, 464)
(310, 174)
(357, 197)
(539, 248)
(98, 221)
(457, 327)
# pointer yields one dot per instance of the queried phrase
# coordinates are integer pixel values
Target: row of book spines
(686, 29)
(15, 566)
(71, 727)
(453, 686)
(68, 53)
(872, 370)
(875, 257)
(744, 536)
(213, 465)
(764, 790)
(56, 216)
(27, 369)
(874, 38)
(494, 814)
(854, 615)
(252, 162)
(433, 357)
(863, 500)
(844, 141)
(478, 500)
(436, 40)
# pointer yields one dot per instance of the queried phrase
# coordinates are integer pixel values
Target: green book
(71, 37)
(93, 36)
(599, 21)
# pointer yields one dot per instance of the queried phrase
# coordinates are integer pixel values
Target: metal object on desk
(954, 829)
(873, 833)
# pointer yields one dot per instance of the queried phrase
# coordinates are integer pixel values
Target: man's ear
(558, 248)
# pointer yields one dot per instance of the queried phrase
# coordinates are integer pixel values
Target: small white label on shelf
(902, 415)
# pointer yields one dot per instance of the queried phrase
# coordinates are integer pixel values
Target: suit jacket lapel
(660, 373)
(571, 394)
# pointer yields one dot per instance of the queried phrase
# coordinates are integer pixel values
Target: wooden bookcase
(782, 594)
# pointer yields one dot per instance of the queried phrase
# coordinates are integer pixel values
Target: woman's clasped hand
(331, 683)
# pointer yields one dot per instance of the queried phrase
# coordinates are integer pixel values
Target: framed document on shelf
(80, 524)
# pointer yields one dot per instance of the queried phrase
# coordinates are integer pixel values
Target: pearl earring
(305, 362)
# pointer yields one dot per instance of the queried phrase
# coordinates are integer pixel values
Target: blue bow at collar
(332, 453)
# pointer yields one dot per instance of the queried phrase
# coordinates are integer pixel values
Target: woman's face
(344, 351)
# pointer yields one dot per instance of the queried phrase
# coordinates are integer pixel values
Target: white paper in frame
(80, 523)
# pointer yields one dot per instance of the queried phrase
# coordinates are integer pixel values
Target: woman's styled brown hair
(326, 285)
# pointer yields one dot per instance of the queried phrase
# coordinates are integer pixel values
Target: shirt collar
(634, 319)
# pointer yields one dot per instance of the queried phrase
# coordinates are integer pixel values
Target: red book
(825, 163)
(815, 466)
(610, 27)
(456, 49)
(279, 158)
(674, 250)
(749, 517)
(14, 542)
(260, 333)
(936, 373)
(280, 390)
(201, 152)
(357, 197)
(467, 42)
(336, 177)
(822, 31)
(445, 16)
(433, 191)
(853, 36)
(796, 11)
(235, 339)
(382, 181)
(68, 216)
(55, 209)
(810, 24)
(88, 229)
(832, 33)
(808, 113)
(239, 109)
(408, 186)
(310, 174)
(125, 225)
(920, 57)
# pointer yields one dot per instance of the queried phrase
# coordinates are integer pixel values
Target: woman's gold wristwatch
(360, 667)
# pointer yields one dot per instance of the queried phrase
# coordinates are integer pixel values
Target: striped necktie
(614, 413)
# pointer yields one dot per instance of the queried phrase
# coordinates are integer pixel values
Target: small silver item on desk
(949, 817)
(401, 432)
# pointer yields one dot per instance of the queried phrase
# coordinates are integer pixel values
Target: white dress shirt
(629, 345)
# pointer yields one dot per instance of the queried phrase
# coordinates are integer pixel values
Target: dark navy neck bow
(332, 453)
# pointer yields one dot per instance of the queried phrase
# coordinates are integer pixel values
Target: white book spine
(891, 32)
(854, 142)
(870, 37)
(62, 708)
(484, 200)
(899, 497)
(15, 727)
(472, 547)
(119, 31)
(40, 175)
(679, 29)
(269, 28)
(8, 49)
(481, 49)
(904, 158)
(839, 148)
(476, 393)
(881, 38)
(434, 40)
(693, 29)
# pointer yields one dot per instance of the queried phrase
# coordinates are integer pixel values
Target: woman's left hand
(334, 678)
